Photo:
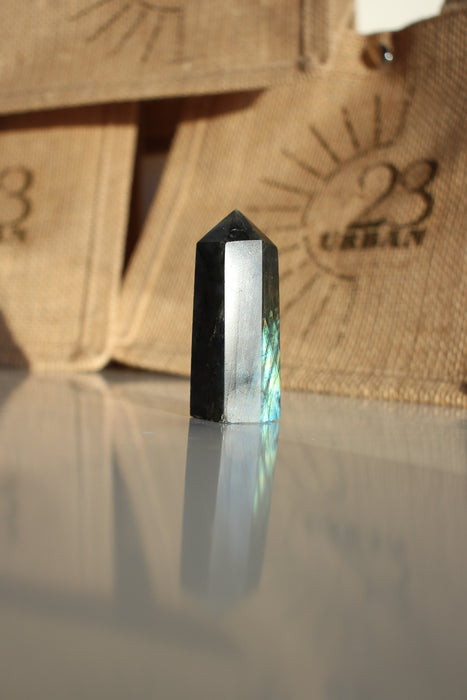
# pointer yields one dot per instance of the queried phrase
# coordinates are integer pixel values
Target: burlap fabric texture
(65, 180)
(359, 176)
(92, 51)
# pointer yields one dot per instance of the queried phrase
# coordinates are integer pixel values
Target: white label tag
(391, 15)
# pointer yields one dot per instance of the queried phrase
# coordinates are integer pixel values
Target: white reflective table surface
(146, 556)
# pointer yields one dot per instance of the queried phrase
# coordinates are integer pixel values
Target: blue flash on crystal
(235, 368)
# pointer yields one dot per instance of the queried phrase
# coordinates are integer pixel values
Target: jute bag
(359, 176)
(83, 51)
(65, 180)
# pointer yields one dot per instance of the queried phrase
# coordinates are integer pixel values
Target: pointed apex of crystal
(235, 227)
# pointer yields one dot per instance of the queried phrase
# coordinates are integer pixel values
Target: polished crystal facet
(235, 357)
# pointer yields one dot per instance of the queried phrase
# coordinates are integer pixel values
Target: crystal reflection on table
(228, 488)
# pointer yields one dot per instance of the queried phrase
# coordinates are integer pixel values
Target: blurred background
(129, 129)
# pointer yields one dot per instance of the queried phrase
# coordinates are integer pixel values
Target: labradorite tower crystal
(235, 356)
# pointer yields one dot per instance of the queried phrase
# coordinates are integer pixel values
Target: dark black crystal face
(235, 344)
(207, 348)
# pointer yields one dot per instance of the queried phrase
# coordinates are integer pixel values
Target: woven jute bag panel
(65, 181)
(359, 176)
(93, 51)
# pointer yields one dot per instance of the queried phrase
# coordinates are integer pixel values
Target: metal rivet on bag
(378, 51)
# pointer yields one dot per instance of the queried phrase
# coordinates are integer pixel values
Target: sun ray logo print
(123, 23)
(337, 199)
